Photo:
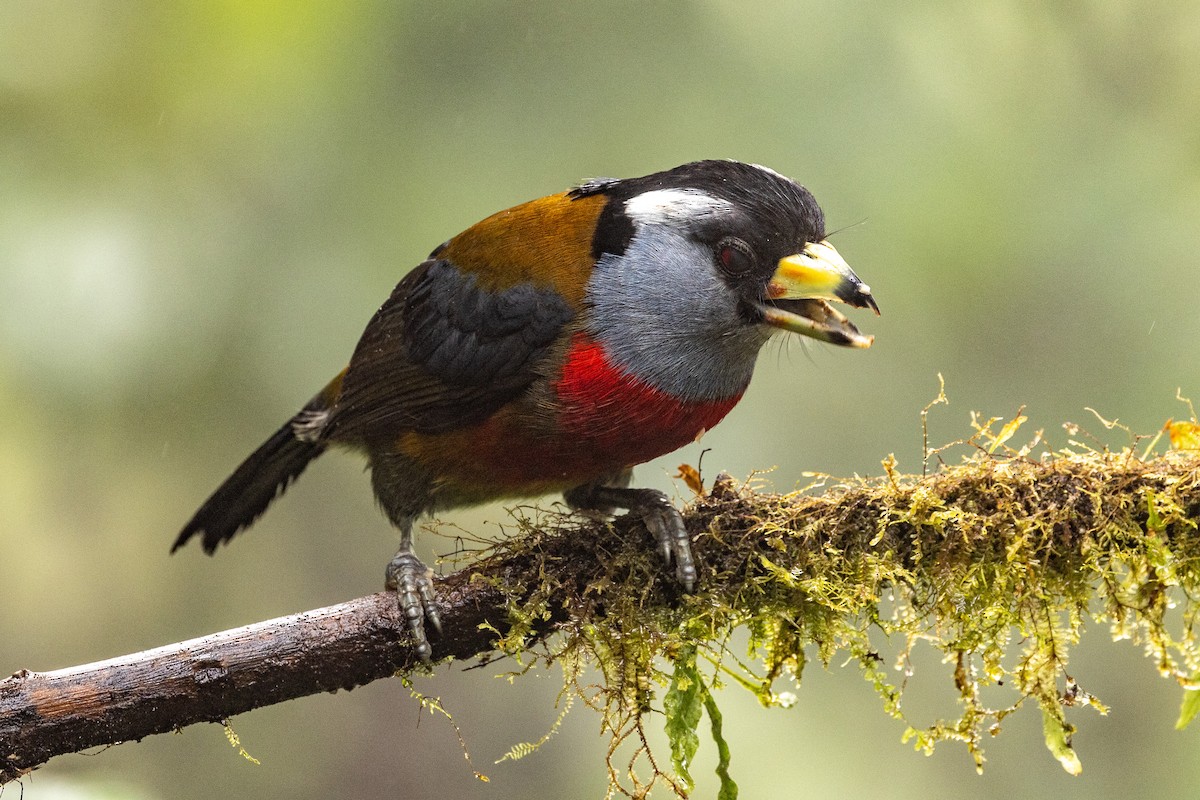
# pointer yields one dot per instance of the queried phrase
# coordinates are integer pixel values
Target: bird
(554, 346)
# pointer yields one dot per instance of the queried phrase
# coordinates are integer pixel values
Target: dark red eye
(734, 256)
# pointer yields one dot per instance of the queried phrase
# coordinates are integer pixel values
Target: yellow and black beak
(799, 291)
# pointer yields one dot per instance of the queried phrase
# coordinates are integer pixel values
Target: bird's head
(696, 266)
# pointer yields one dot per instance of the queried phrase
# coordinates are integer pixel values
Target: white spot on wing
(674, 205)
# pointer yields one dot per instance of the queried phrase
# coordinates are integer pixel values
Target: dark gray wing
(443, 353)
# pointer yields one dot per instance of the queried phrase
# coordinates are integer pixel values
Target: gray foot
(661, 518)
(412, 581)
(666, 523)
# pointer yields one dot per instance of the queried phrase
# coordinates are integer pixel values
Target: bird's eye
(734, 256)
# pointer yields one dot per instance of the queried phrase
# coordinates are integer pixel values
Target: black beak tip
(860, 297)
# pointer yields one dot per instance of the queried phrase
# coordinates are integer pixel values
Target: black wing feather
(443, 353)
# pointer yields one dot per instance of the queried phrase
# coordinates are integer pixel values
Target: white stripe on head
(672, 205)
(770, 171)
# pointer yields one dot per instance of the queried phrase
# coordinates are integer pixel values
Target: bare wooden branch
(212, 678)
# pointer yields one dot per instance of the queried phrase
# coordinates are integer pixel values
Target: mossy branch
(995, 561)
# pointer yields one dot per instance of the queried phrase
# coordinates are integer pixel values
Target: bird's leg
(659, 516)
(412, 581)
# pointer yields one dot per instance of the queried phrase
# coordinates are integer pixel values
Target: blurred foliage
(202, 203)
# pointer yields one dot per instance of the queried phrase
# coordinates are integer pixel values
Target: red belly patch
(623, 420)
(602, 421)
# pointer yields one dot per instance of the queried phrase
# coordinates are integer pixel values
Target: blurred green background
(202, 203)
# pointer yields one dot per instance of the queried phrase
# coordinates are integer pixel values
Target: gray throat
(665, 316)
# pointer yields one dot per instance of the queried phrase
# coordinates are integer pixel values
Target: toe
(413, 583)
(666, 523)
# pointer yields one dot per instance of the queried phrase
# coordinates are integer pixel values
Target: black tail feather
(250, 489)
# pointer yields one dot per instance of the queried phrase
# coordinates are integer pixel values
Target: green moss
(997, 562)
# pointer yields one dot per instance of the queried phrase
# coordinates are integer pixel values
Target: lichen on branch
(997, 560)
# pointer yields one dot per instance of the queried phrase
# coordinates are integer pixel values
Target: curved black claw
(659, 516)
(412, 581)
